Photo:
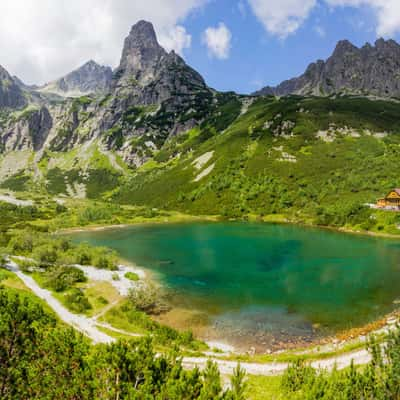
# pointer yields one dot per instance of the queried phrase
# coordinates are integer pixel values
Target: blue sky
(258, 57)
(238, 45)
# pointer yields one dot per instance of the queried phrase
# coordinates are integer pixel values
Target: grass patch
(100, 296)
(132, 276)
(264, 388)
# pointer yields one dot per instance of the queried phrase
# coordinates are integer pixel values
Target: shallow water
(265, 283)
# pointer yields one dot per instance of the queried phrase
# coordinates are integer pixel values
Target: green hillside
(309, 160)
(313, 160)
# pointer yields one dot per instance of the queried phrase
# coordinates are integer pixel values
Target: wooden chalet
(391, 200)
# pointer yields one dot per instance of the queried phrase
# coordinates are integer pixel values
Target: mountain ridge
(367, 70)
(90, 78)
(152, 96)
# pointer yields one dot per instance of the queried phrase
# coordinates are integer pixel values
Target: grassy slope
(328, 183)
(251, 173)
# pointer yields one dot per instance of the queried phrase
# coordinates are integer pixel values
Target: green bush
(379, 379)
(54, 362)
(63, 278)
(132, 276)
(145, 298)
(76, 301)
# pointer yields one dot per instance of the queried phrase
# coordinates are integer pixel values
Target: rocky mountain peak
(342, 47)
(369, 70)
(143, 34)
(91, 77)
(141, 52)
(11, 95)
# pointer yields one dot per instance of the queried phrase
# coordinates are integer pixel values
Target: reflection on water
(269, 280)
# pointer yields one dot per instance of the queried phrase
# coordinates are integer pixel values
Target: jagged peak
(382, 43)
(141, 52)
(4, 72)
(90, 65)
(344, 46)
(143, 32)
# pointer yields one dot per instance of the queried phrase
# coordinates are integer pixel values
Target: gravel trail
(88, 326)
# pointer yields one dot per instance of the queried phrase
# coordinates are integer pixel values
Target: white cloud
(40, 42)
(176, 38)
(218, 41)
(387, 13)
(283, 17)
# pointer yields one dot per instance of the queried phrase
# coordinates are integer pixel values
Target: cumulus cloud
(218, 41)
(41, 42)
(387, 13)
(176, 38)
(283, 17)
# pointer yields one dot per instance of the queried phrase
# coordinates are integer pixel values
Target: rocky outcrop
(147, 74)
(27, 131)
(369, 70)
(152, 96)
(89, 78)
(11, 95)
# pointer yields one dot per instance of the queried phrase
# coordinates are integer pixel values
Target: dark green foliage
(163, 335)
(76, 301)
(56, 181)
(97, 182)
(379, 379)
(100, 181)
(63, 278)
(20, 323)
(228, 109)
(10, 213)
(51, 251)
(328, 183)
(17, 182)
(40, 361)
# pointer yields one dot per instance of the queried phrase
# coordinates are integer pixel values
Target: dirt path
(80, 322)
(12, 200)
(88, 326)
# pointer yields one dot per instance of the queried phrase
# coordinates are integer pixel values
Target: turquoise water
(274, 281)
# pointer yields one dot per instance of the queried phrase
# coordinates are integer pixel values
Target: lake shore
(182, 319)
(187, 218)
(199, 323)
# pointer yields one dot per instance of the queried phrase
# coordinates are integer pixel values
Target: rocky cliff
(369, 70)
(89, 78)
(11, 95)
(151, 97)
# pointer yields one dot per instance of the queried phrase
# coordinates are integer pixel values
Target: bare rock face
(369, 70)
(149, 78)
(147, 74)
(11, 95)
(27, 132)
(141, 54)
(89, 78)
(151, 97)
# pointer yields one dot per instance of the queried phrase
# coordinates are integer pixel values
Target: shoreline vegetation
(103, 216)
(126, 325)
(187, 218)
(342, 339)
(79, 215)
